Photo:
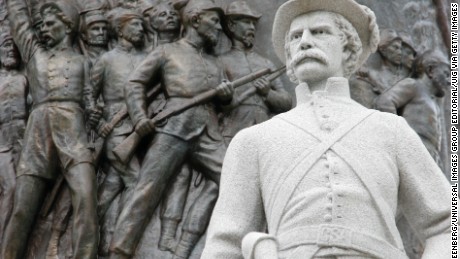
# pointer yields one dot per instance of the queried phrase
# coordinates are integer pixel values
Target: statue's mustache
(310, 53)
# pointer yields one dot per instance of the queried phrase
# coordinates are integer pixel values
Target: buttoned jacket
(334, 189)
(13, 96)
(54, 75)
(109, 76)
(255, 109)
(184, 71)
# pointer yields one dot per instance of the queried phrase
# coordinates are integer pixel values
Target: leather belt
(339, 236)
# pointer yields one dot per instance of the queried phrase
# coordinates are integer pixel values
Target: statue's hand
(104, 130)
(263, 86)
(144, 127)
(225, 91)
(94, 115)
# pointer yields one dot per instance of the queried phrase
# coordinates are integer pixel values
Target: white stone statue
(327, 179)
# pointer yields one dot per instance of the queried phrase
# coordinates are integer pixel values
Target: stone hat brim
(361, 17)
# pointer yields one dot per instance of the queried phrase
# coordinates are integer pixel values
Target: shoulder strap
(303, 164)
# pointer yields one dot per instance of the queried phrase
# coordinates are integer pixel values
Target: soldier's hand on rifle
(94, 115)
(104, 130)
(144, 127)
(263, 86)
(225, 90)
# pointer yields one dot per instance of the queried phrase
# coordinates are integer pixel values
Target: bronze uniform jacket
(184, 72)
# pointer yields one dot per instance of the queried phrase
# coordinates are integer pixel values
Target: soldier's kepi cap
(202, 5)
(119, 16)
(241, 8)
(361, 17)
(66, 7)
(93, 16)
(94, 12)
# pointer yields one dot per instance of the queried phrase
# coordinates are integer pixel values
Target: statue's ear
(195, 21)
(68, 30)
(429, 71)
(346, 54)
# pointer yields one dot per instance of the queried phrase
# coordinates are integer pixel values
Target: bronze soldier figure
(93, 31)
(412, 97)
(58, 78)
(240, 60)
(13, 116)
(93, 42)
(108, 78)
(185, 69)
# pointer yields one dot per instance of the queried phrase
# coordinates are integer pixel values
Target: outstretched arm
(23, 34)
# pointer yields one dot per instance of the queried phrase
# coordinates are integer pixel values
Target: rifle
(123, 113)
(252, 91)
(124, 151)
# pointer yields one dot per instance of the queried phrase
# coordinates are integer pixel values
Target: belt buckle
(334, 236)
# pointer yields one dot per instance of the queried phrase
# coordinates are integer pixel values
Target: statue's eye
(296, 36)
(318, 32)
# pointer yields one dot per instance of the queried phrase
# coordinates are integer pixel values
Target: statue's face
(209, 27)
(440, 76)
(96, 34)
(316, 47)
(133, 31)
(243, 29)
(53, 30)
(408, 56)
(393, 52)
(9, 57)
(166, 18)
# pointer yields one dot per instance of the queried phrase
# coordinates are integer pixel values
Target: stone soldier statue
(271, 97)
(328, 177)
(412, 97)
(55, 132)
(13, 116)
(185, 69)
(108, 78)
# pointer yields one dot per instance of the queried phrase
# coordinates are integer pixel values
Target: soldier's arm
(397, 96)
(424, 192)
(278, 99)
(140, 79)
(96, 80)
(22, 30)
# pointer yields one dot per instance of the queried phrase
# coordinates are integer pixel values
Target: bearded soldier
(270, 97)
(185, 69)
(108, 77)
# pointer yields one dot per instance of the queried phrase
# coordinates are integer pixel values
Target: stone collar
(335, 87)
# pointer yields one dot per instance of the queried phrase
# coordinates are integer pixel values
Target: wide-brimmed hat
(361, 17)
(241, 8)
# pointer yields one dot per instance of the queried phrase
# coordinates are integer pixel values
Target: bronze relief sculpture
(91, 74)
